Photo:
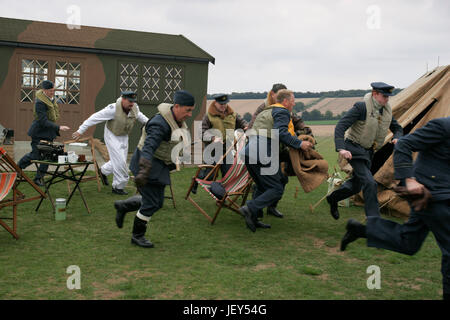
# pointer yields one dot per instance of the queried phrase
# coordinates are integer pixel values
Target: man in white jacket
(120, 118)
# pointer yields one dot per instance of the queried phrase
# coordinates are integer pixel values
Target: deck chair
(237, 182)
(10, 178)
(90, 142)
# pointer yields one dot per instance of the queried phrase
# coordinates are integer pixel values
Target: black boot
(137, 238)
(333, 207)
(250, 218)
(262, 225)
(273, 211)
(355, 230)
(119, 191)
(124, 206)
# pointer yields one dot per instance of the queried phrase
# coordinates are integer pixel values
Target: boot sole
(146, 246)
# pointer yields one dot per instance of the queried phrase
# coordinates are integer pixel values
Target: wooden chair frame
(7, 164)
(230, 199)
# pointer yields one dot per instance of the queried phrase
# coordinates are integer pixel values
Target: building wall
(100, 86)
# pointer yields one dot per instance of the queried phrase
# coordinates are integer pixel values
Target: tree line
(308, 94)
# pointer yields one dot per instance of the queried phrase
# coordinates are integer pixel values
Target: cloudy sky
(308, 45)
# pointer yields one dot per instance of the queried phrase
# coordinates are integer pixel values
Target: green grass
(321, 122)
(298, 258)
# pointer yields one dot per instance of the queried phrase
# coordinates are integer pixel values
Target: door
(67, 73)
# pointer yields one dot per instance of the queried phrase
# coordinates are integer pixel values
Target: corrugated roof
(58, 34)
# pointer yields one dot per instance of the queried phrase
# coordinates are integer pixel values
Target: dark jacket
(358, 112)
(157, 130)
(432, 166)
(43, 128)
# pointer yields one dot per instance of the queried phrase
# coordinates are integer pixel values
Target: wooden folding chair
(10, 178)
(97, 177)
(237, 182)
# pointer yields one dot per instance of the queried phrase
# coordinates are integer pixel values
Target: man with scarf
(357, 136)
(44, 127)
(263, 165)
(152, 161)
(299, 127)
(219, 117)
(120, 118)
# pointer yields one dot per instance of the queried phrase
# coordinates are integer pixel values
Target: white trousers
(117, 165)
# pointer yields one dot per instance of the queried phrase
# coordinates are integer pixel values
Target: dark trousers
(362, 179)
(152, 198)
(407, 238)
(25, 161)
(268, 190)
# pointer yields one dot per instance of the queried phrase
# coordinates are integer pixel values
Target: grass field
(298, 258)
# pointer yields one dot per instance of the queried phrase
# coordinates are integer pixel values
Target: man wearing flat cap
(357, 136)
(220, 117)
(152, 161)
(120, 118)
(43, 127)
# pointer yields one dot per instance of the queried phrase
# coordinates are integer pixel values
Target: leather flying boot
(333, 207)
(262, 225)
(119, 191)
(273, 211)
(137, 238)
(125, 206)
(355, 230)
(249, 219)
(194, 188)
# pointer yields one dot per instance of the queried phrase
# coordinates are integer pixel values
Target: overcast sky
(307, 45)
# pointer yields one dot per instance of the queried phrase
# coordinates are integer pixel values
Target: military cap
(47, 84)
(221, 98)
(383, 88)
(129, 95)
(183, 98)
(278, 86)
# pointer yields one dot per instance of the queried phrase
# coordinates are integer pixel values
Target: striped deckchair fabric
(7, 180)
(10, 178)
(237, 182)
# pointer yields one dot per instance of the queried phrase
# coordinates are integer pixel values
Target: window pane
(26, 95)
(61, 83)
(61, 68)
(74, 98)
(27, 81)
(61, 97)
(41, 67)
(27, 66)
(74, 84)
(74, 69)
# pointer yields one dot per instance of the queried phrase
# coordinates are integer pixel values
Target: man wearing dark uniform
(44, 127)
(269, 187)
(220, 116)
(152, 162)
(357, 136)
(430, 174)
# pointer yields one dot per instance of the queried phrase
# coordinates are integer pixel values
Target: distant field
(243, 106)
(335, 105)
(321, 122)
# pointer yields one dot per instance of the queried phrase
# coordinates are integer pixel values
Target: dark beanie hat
(278, 86)
(47, 84)
(183, 98)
